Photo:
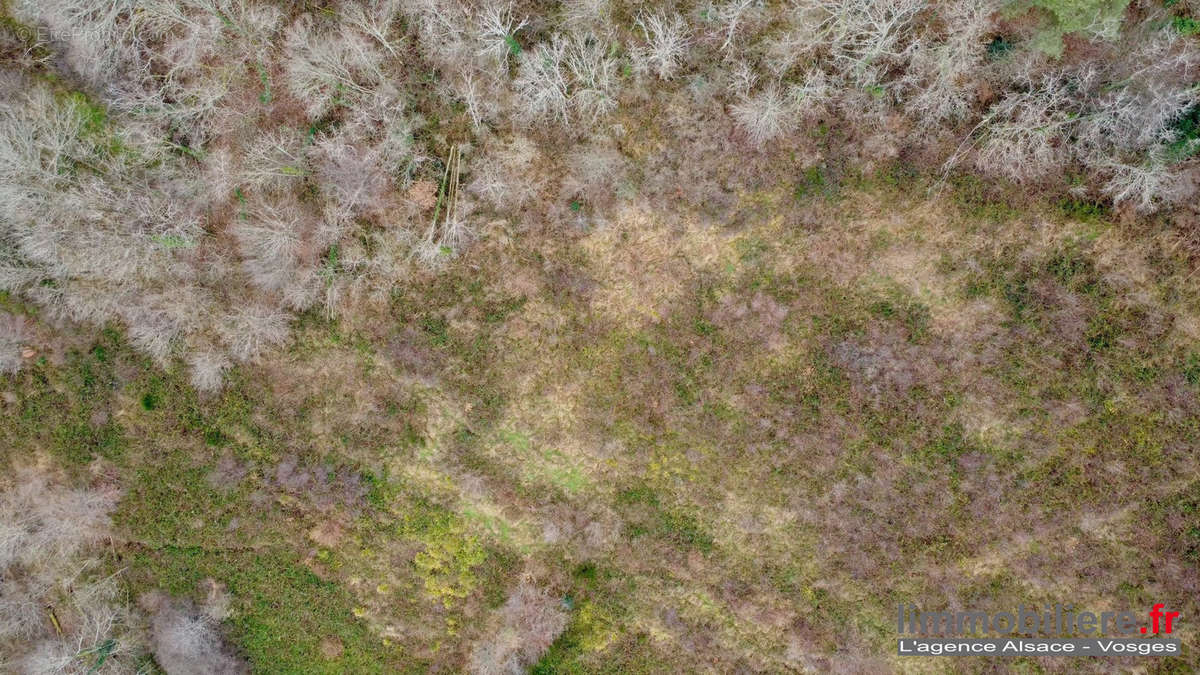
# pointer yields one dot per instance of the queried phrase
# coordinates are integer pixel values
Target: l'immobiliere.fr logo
(1060, 630)
(1059, 621)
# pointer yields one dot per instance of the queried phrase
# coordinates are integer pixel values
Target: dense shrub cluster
(63, 611)
(529, 622)
(199, 170)
(57, 613)
(185, 638)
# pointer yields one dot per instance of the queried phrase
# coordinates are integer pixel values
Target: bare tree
(666, 42)
(593, 76)
(867, 37)
(528, 623)
(765, 116)
(250, 330)
(374, 18)
(186, 641)
(275, 160)
(1147, 186)
(330, 65)
(208, 369)
(497, 34)
(541, 83)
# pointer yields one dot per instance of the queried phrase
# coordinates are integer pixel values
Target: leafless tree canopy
(211, 167)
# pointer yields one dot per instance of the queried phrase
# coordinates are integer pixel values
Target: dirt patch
(332, 648)
(327, 534)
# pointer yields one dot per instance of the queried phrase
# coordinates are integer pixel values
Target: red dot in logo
(1143, 629)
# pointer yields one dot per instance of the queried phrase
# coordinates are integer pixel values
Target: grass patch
(281, 610)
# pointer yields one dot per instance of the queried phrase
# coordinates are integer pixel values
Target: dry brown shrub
(530, 620)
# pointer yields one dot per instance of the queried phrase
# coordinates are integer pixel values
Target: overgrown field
(658, 448)
(591, 337)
